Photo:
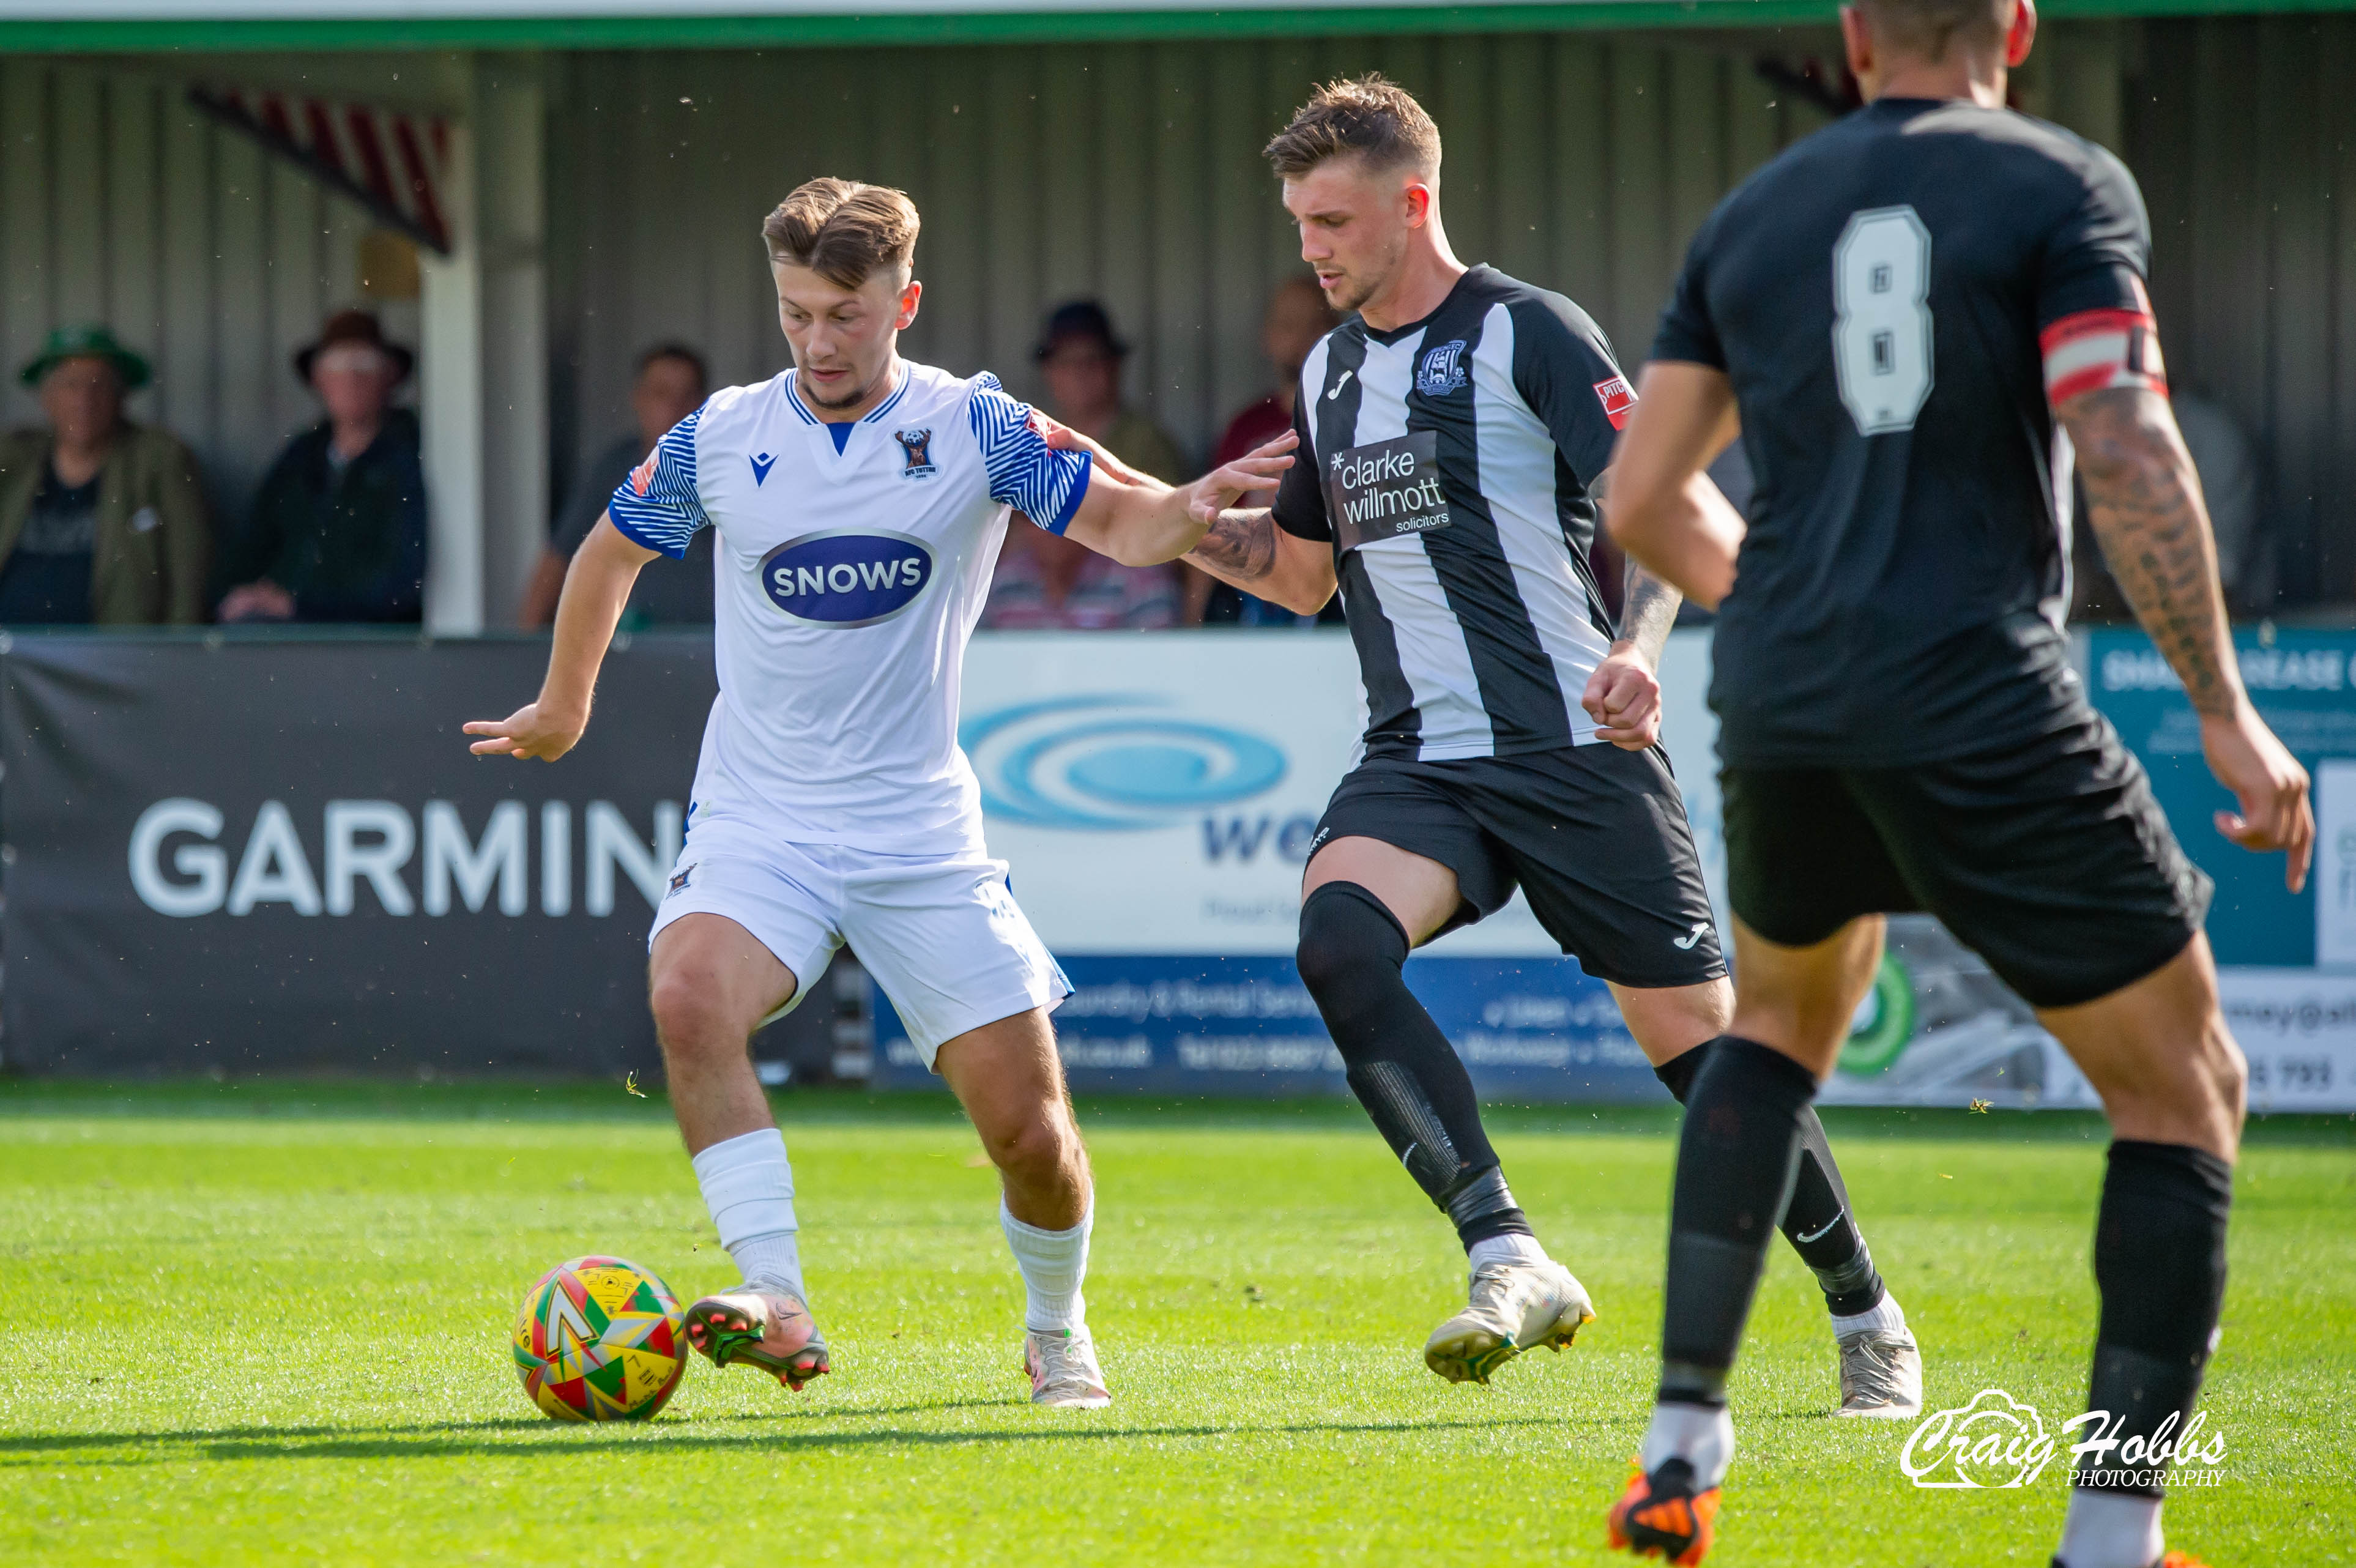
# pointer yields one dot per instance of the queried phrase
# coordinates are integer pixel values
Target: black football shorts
(2050, 858)
(1595, 835)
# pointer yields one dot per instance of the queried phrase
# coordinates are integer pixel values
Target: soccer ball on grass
(600, 1340)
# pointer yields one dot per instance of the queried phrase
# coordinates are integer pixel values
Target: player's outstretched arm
(2144, 496)
(1246, 550)
(1141, 521)
(596, 589)
(1663, 510)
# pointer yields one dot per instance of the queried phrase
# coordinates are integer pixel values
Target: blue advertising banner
(1527, 1029)
(2300, 683)
(1155, 802)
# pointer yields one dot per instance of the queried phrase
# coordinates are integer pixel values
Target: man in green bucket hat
(101, 520)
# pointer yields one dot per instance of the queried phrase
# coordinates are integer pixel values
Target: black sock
(1735, 1162)
(1817, 1222)
(1402, 1068)
(2159, 1262)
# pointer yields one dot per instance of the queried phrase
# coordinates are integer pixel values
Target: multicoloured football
(600, 1340)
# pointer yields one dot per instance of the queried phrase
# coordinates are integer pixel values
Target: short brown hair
(1369, 115)
(1923, 28)
(843, 231)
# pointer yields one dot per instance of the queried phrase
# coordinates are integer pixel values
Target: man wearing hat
(101, 520)
(1045, 581)
(337, 532)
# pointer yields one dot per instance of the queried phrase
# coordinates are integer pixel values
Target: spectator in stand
(1045, 580)
(337, 532)
(1297, 317)
(671, 384)
(101, 520)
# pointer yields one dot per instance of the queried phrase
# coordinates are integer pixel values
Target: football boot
(766, 1328)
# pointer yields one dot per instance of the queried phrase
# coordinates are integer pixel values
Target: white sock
(1702, 1435)
(1516, 1248)
(2110, 1530)
(749, 1188)
(1889, 1317)
(1052, 1263)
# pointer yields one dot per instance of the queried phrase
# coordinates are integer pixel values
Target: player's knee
(691, 1016)
(1323, 964)
(1032, 1150)
(1346, 934)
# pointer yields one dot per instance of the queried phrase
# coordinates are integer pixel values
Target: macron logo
(762, 463)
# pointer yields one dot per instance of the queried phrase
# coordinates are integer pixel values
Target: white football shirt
(851, 563)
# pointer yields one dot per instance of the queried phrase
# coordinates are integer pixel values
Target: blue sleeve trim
(636, 535)
(1079, 491)
(667, 513)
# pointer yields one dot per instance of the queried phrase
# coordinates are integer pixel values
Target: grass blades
(268, 1323)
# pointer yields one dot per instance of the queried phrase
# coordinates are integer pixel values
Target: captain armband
(2097, 349)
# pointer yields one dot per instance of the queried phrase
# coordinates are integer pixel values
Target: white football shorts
(943, 936)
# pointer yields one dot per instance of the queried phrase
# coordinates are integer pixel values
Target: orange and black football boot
(2173, 1560)
(1661, 1515)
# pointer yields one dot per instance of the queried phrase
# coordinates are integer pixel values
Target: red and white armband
(2097, 349)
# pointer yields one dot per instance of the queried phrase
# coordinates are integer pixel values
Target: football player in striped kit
(1455, 437)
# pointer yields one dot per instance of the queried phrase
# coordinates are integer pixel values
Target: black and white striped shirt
(1449, 463)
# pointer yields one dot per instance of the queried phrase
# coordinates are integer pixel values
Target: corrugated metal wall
(119, 204)
(2242, 131)
(1131, 172)
(1128, 172)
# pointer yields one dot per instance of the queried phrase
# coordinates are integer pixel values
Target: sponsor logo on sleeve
(1619, 400)
(916, 453)
(1386, 488)
(643, 474)
(846, 578)
(1441, 370)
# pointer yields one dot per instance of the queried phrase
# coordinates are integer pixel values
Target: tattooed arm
(1648, 607)
(1247, 549)
(2144, 502)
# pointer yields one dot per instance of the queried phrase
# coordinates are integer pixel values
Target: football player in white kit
(860, 502)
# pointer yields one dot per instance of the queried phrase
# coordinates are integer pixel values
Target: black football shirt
(1875, 295)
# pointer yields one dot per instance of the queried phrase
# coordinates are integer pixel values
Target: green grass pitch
(268, 1323)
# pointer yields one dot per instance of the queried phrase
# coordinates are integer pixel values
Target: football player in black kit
(1911, 318)
(1452, 441)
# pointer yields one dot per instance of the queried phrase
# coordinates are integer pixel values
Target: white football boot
(1063, 1367)
(765, 1328)
(1880, 1374)
(1513, 1306)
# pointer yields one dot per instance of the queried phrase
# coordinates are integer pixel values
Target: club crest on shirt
(916, 448)
(1441, 370)
(679, 884)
